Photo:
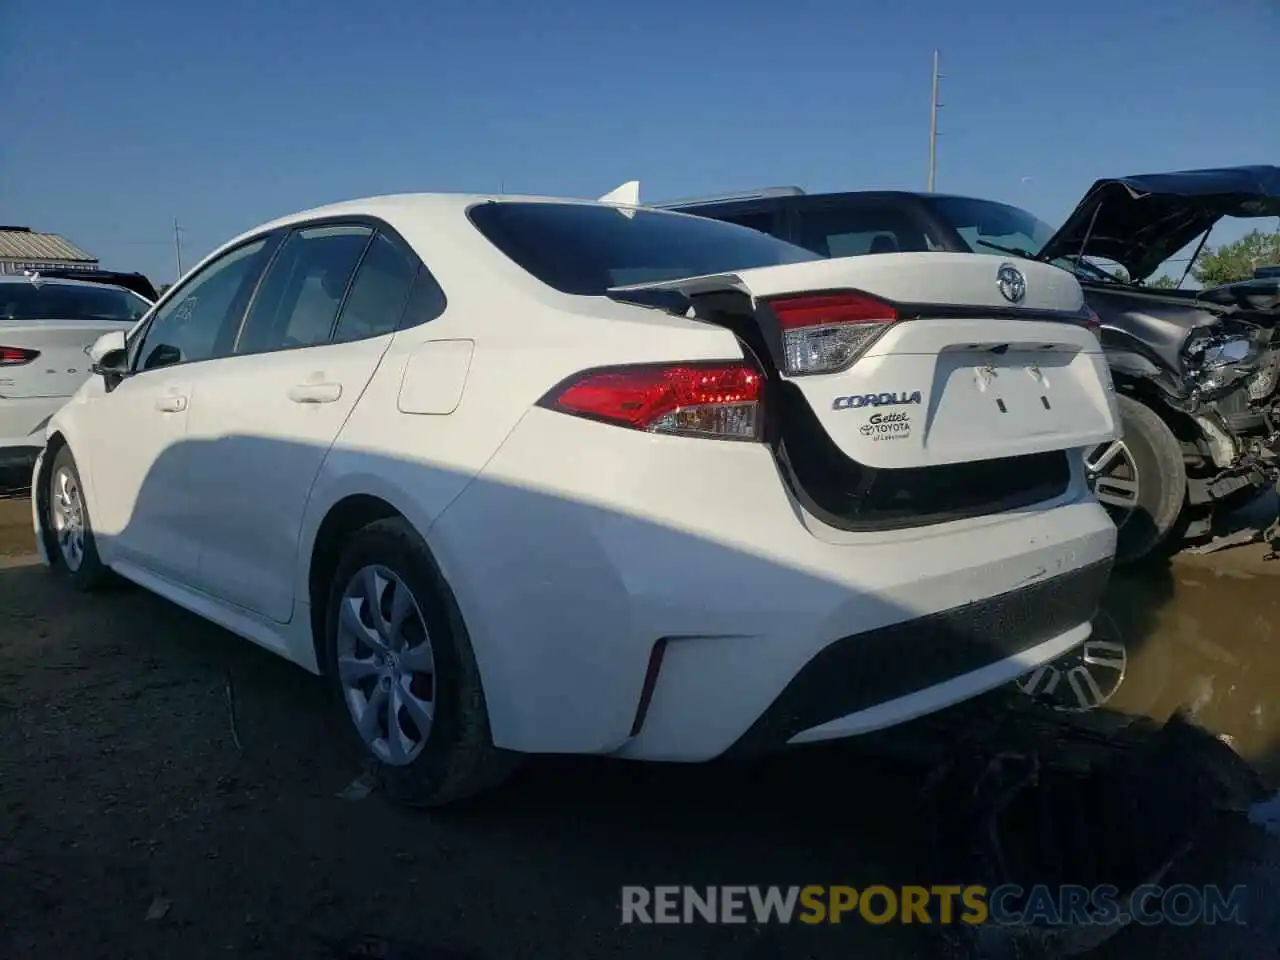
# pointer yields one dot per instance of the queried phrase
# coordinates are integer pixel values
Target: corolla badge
(1012, 284)
(875, 400)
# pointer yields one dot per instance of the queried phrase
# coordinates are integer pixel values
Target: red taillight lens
(717, 400)
(16, 356)
(824, 333)
(1092, 320)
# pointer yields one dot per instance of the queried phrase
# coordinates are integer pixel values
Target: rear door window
(378, 296)
(298, 301)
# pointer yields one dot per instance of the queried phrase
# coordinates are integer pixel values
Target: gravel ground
(169, 790)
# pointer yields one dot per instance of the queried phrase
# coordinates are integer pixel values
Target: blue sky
(121, 116)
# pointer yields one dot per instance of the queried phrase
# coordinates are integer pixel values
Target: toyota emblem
(1012, 284)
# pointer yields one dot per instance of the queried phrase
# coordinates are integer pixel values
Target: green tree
(1237, 261)
(1163, 282)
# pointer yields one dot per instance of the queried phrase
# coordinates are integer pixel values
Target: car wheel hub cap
(1082, 681)
(1113, 477)
(386, 665)
(67, 508)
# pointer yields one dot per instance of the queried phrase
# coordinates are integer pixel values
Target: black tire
(88, 573)
(457, 759)
(1151, 526)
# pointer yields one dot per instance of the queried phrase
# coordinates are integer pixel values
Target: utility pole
(177, 247)
(933, 124)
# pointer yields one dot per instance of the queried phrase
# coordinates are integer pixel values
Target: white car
(523, 476)
(46, 328)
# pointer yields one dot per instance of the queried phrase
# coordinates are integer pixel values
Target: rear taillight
(716, 400)
(825, 333)
(16, 356)
(1092, 320)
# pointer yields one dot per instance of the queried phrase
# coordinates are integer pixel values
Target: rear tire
(1142, 482)
(395, 644)
(71, 545)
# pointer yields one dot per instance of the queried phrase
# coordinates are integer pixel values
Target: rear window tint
(855, 229)
(584, 250)
(22, 300)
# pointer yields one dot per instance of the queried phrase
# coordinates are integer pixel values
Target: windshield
(583, 249)
(985, 225)
(69, 301)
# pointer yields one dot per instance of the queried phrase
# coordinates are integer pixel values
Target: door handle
(315, 392)
(171, 404)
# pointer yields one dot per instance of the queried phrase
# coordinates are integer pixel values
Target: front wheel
(398, 660)
(74, 549)
(1141, 480)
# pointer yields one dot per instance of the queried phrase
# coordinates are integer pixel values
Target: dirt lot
(167, 790)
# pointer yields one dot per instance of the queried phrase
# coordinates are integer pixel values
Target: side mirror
(107, 355)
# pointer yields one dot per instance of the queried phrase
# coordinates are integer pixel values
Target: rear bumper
(872, 680)
(581, 547)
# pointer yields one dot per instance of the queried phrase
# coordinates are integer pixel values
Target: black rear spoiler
(136, 282)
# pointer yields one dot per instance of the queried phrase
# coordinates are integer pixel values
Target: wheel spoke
(395, 735)
(418, 659)
(369, 723)
(350, 622)
(1099, 463)
(401, 607)
(354, 669)
(419, 711)
(374, 586)
(1116, 492)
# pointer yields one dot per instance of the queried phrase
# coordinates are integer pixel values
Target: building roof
(22, 243)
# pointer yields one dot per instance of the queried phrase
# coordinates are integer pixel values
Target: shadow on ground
(166, 790)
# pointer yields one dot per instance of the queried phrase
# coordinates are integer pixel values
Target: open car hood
(1140, 222)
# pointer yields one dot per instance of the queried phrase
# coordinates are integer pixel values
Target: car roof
(419, 203)
(59, 282)
(398, 207)
(804, 199)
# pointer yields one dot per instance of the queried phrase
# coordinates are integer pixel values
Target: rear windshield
(584, 250)
(66, 301)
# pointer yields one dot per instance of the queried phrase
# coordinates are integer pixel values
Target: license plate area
(1015, 395)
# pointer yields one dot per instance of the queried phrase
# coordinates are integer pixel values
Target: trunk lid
(62, 363)
(964, 374)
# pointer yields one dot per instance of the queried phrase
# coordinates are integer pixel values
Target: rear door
(265, 418)
(938, 366)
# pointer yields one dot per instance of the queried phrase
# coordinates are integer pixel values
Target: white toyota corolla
(521, 475)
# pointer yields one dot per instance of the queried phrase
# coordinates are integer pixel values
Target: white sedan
(46, 328)
(520, 475)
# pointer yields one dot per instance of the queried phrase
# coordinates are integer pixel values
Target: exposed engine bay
(1212, 356)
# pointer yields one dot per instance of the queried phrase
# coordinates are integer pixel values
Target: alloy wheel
(1113, 477)
(67, 508)
(386, 665)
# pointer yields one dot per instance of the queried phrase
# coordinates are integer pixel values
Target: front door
(136, 433)
(265, 418)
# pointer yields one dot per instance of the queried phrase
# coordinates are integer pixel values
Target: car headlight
(1228, 351)
(1219, 356)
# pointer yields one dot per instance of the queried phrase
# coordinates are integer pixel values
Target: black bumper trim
(860, 671)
